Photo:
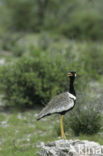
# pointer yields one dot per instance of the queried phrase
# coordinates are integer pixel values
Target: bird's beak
(70, 74)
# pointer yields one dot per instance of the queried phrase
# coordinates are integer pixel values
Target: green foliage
(85, 118)
(74, 18)
(84, 25)
(35, 80)
(24, 16)
(12, 44)
(92, 59)
(5, 19)
(23, 132)
(29, 132)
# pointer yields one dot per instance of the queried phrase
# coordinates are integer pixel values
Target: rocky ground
(70, 148)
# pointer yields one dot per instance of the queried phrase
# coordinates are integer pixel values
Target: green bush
(92, 59)
(85, 118)
(35, 80)
(12, 43)
(73, 18)
(84, 25)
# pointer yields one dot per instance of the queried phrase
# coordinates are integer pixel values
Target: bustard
(61, 103)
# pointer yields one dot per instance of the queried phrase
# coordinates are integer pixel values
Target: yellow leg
(61, 127)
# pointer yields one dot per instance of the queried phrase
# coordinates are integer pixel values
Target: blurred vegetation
(23, 132)
(86, 117)
(31, 81)
(43, 40)
(74, 19)
(41, 72)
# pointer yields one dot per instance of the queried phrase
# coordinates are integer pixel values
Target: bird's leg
(61, 127)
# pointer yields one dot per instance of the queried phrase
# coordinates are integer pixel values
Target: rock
(71, 148)
(40, 144)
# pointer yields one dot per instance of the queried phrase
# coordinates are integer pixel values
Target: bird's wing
(59, 103)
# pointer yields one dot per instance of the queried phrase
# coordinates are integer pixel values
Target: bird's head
(72, 75)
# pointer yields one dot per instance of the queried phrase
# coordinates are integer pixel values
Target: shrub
(92, 59)
(85, 118)
(24, 15)
(13, 44)
(35, 80)
(84, 25)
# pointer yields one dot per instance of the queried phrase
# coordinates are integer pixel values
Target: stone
(71, 148)
(40, 144)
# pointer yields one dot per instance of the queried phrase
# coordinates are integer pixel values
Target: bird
(61, 103)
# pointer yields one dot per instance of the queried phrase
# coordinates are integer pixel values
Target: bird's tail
(40, 116)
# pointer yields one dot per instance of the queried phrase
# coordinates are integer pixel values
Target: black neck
(71, 90)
